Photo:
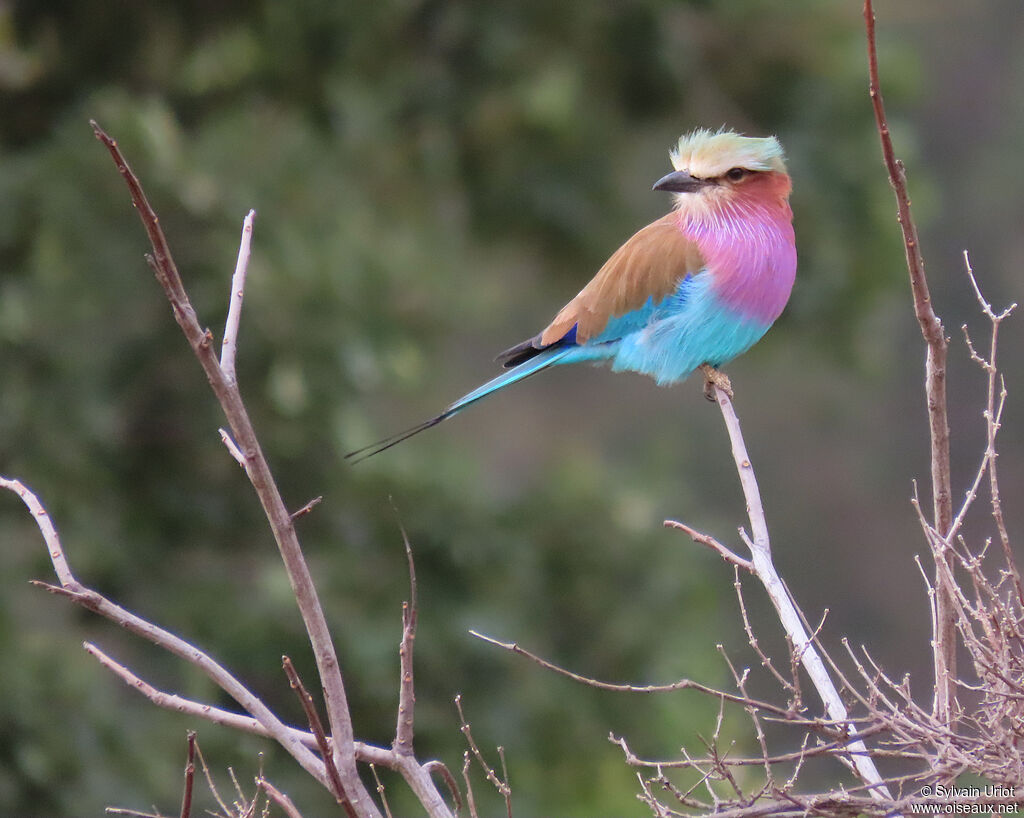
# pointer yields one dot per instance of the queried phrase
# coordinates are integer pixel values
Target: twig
(826, 749)
(236, 721)
(792, 622)
(682, 684)
(992, 417)
(470, 800)
(648, 797)
(278, 797)
(306, 509)
(406, 692)
(229, 397)
(190, 774)
(87, 598)
(317, 729)
(46, 528)
(229, 346)
(380, 792)
(238, 787)
(741, 685)
(501, 786)
(935, 383)
(284, 735)
(416, 776)
(446, 775)
(766, 661)
(723, 551)
(232, 447)
(210, 783)
(504, 777)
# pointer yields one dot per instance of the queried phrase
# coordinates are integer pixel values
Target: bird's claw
(715, 378)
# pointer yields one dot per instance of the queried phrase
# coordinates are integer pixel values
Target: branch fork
(328, 752)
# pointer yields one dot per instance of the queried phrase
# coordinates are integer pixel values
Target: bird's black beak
(679, 181)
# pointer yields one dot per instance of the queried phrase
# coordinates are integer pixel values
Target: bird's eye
(736, 174)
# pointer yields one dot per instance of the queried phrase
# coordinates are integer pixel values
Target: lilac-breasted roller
(692, 290)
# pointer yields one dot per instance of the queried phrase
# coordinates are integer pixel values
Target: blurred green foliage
(433, 178)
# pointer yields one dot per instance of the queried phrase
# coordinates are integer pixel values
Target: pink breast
(750, 249)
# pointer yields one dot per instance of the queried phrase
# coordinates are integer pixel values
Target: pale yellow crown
(707, 154)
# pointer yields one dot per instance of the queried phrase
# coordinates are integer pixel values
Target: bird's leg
(712, 378)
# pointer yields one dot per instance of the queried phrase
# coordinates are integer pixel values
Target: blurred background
(433, 180)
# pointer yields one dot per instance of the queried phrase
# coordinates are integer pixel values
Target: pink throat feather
(749, 246)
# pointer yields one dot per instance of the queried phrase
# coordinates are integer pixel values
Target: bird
(690, 291)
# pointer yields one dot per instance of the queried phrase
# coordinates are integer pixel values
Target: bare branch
(210, 782)
(792, 621)
(258, 470)
(766, 661)
(501, 786)
(368, 753)
(380, 792)
(306, 509)
(935, 379)
(406, 691)
(229, 346)
(278, 797)
(317, 729)
(470, 800)
(682, 684)
(232, 448)
(190, 773)
(724, 552)
(87, 598)
(269, 724)
(46, 528)
(993, 416)
(446, 775)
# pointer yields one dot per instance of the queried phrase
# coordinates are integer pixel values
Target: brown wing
(650, 264)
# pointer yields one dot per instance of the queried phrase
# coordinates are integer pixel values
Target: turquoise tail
(543, 360)
(531, 367)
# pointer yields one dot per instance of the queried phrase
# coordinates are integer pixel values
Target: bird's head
(714, 168)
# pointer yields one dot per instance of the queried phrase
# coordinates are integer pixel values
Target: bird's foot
(712, 378)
